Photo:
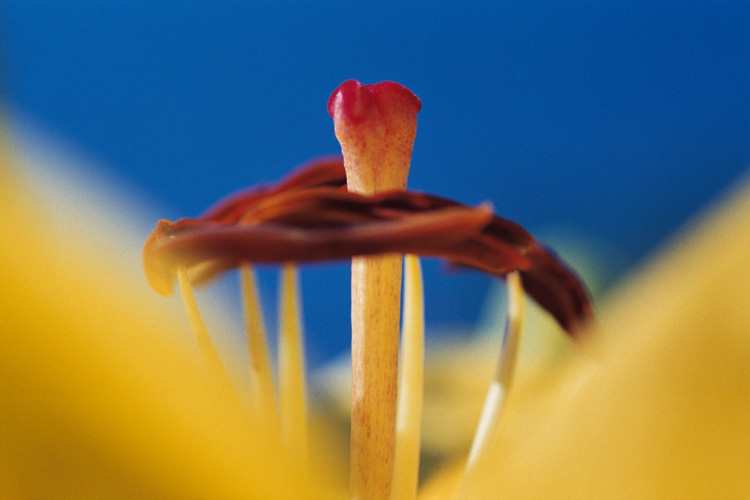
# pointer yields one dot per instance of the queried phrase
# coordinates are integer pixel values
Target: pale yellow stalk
(376, 294)
(499, 388)
(411, 385)
(375, 127)
(261, 377)
(292, 405)
(205, 346)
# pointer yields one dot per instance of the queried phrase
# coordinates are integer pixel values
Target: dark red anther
(310, 216)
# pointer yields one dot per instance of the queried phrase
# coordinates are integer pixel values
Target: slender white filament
(501, 384)
(411, 385)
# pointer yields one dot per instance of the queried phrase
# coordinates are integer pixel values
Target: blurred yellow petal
(664, 413)
(99, 398)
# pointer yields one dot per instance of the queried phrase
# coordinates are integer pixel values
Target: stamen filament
(261, 377)
(292, 397)
(501, 384)
(514, 330)
(205, 346)
(411, 384)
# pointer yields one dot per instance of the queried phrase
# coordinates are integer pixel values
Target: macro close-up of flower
(509, 260)
(648, 401)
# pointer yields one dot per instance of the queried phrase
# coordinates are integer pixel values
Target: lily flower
(354, 208)
(100, 398)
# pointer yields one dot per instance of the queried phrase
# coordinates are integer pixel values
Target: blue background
(612, 120)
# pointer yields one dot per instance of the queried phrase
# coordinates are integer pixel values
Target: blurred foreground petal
(99, 397)
(664, 414)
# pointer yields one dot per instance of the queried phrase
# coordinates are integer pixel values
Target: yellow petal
(665, 413)
(99, 398)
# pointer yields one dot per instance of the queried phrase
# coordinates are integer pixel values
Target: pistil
(376, 126)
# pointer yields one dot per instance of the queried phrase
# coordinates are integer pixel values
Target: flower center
(360, 209)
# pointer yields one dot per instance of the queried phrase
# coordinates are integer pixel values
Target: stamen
(205, 346)
(325, 223)
(261, 378)
(500, 386)
(292, 370)
(410, 388)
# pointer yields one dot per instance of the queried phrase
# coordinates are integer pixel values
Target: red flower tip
(356, 100)
(352, 100)
(395, 94)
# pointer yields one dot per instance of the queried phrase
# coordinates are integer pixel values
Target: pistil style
(376, 126)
